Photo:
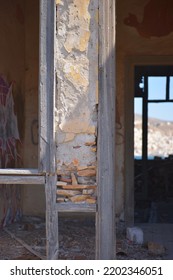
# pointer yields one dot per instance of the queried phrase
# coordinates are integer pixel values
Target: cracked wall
(77, 87)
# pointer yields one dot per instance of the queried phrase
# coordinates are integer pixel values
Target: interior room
(19, 71)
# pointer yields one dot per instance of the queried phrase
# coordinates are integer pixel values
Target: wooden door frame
(47, 121)
(45, 174)
(105, 216)
(46, 89)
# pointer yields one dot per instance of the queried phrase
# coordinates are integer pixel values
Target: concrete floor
(159, 233)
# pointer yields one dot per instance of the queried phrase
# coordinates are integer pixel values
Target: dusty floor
(76, 241)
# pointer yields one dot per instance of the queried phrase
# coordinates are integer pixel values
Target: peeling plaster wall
(142, 38)
(77, 84)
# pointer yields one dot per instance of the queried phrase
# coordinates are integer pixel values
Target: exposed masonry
(76, 99)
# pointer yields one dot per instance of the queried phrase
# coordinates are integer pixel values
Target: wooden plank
(60, 183)
(15, 171)
(79, 168)
(25, 245)
(87, 173)
(74, 180)
(80, 198)
(77, 187)
(76, 207)
(67, 192)
(105, 218)
(52, 247)
(23, 180)
(47, 86)
(47, 134)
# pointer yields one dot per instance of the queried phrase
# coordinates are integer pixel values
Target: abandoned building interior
(71, 73)
(153, 169)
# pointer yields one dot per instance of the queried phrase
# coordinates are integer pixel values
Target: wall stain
(157, 19)
(19, 14)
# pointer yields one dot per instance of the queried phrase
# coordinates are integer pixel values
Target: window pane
(157, 88)
(162, 111)
(138, 127)
(160, 129)
(171, 88)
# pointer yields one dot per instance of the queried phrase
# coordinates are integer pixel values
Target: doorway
(153, 179)
(19, 95)
(33, 21)
(143, 65)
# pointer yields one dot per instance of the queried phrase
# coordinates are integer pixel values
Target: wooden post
(52, 247)
(46, 124)
(105, 216)
(46, 83)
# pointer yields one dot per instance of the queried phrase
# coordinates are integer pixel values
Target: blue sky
(156, 90)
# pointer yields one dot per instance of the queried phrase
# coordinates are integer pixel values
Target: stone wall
(76, 99)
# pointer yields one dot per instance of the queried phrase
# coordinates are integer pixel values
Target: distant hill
(160, 136)
(138, 117)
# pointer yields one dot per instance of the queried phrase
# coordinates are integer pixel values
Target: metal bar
(160, 101)
(167, 88)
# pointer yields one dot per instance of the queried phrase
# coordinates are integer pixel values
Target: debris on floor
(27, 240)
(156, 249)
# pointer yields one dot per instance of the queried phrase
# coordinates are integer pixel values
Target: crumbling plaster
(77, 81)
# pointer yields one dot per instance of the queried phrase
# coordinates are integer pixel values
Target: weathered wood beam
(47, 134)
(76, 207)
(105, 218)
(24, 244)
(51, 219)
(22, 171)
(23, 180)
(46, 84)
(76, 187)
